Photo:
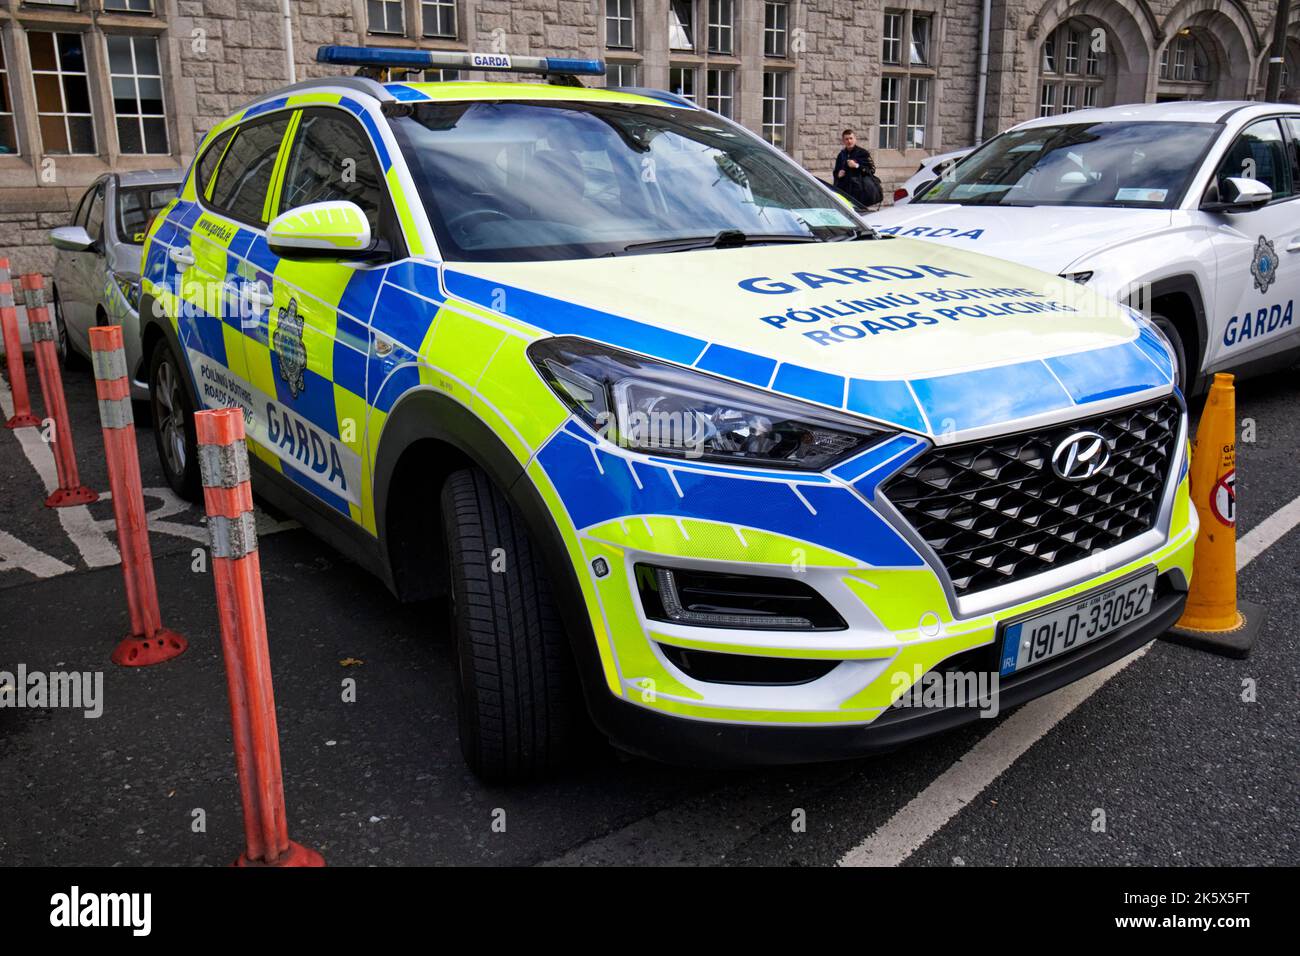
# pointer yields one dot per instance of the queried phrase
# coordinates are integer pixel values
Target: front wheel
(520, 708)
(173, 424)
(1182, 378)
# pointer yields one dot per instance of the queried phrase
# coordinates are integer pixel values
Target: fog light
(712, 599)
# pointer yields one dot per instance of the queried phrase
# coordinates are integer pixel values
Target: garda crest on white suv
(1187, 211)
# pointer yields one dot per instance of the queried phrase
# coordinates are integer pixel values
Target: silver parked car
(97, 269)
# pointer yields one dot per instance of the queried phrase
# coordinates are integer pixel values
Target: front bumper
(618, 510)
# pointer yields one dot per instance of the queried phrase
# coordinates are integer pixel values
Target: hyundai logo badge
(1080, 456)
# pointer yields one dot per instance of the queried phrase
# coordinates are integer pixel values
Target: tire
(520, 707)
(1181, 376)
(69, 357)
(173, 423)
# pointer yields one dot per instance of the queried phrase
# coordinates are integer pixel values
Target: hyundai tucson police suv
(691, 450)
(1188, 211)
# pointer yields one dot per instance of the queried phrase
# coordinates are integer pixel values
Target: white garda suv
(1188, 211)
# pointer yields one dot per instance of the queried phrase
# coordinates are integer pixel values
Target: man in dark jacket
(855, 173)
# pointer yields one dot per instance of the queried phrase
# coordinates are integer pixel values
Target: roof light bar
(385, 57)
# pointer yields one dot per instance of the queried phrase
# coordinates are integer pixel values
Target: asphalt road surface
(1157, 760)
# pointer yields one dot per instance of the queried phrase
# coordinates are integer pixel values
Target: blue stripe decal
(389, 387)
(595, 494)
(350, 369)
(989, 396)
(873, 457)
(405, 93)
(710, 466)
(872, 480)
(566, 318)
(358, 298)
(1149, 342)
(299, 477)
(733, 363)
(403, 316)
(1106, 373)
(368, 121)
(889, 401)
(266, 107)
(810, 384)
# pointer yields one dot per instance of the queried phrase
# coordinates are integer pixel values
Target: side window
(246, 171)
(83, 207)
(1260, 152)
(95, 217)
(1292, 124)
(208, 164)
(332, 160)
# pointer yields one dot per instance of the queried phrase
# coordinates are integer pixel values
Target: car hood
(939, 340)
(1051, 238)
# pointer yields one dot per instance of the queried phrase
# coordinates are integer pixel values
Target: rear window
(246, 170)
(208, 164)
(136, 208)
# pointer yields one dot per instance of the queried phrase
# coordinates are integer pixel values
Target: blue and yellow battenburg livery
(961, 362)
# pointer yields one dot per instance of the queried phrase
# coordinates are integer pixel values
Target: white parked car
(1189, 211)
(931, 168)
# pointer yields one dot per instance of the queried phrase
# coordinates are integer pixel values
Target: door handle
(183, 256)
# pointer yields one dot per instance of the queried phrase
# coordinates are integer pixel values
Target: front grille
(996, 512)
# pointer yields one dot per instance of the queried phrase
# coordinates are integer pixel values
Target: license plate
(1068, 626)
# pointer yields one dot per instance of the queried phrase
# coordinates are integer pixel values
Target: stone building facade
(88, 86)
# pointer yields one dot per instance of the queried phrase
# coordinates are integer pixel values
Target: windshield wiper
(725, 239)
(858, 232)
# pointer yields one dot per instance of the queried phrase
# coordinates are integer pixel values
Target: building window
(681, 25)
(1047, 100)
(722, 21)
(621, 74)
(618, 24)
(776, 28)
(1073, 69)
(441, 76)
(892, 40)
(136, 78)
(62, 92)
(128, 6)
(904, 124)
(918, 108)
(8, 132)
(439, 18)
(681, 80)
(776, 85)
(888, 138)
(920, 55)
(385, 16)
(720, 91)
(1186, 69)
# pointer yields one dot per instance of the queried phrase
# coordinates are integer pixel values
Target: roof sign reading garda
(380, 57)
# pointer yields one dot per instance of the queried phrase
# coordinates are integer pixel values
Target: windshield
(528, 180)
(1142, 165)
(137, 206)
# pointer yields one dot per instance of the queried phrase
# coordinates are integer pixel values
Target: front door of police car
(308, 342)
(1257, 251)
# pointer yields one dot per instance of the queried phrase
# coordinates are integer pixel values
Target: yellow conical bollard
(1214, 620)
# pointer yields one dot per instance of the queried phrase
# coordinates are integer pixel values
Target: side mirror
(335, 230)
(1239, 194)
(71, 239)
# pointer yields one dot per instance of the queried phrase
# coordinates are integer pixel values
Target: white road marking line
(17, 555)
(965, 780)
(95, 548)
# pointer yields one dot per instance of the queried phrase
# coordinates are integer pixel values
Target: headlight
(659, 408)
(129, 286)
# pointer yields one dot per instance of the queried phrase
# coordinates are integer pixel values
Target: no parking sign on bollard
(237, 573)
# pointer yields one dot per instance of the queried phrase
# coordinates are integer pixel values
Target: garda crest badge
(1264, 268)
(289, 347)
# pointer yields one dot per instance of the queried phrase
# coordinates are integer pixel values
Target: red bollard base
(23, 421)
(296, 855)
(67, 497)
(141, 652)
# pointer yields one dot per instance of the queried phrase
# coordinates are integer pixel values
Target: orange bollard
(237, 573)
(70, 491)
(149, 642)
(22, 416)
(1214, 619)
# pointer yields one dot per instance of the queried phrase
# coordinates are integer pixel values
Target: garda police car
(691, 450)
(1186, 210)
